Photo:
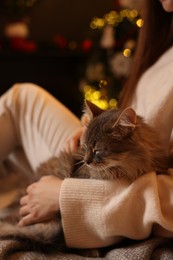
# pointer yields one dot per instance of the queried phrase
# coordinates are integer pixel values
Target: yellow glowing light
(113, 14)
(87, 88)
(110, 18)
(99, 98)
(96, 95)
(87, 95)
(119, 19)
(114, 18)
(124, 13)
(127, 52)
(112, 102)
(139, 22)
(93, 25)
(97, 23)
(103, 83)
(132, 13)
(103, 104)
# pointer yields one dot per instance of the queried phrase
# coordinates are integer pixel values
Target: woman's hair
(155, 36)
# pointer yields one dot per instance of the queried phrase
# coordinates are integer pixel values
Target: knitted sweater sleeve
(100, 213)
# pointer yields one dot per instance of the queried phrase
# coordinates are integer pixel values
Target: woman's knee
(25, 89)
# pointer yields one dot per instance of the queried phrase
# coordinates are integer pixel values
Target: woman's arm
(99, 213)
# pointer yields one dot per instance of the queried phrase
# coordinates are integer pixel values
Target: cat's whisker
(78, 155)
(89, 166)
(112, 175)
(124, 173)
(79, 162)
(83, 165)
(104, 171)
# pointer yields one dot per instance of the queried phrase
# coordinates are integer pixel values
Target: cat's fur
(116, 144)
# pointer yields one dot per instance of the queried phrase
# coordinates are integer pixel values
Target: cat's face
(107, 140)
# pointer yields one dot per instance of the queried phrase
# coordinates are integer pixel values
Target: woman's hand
(41, 201)
(73, 141)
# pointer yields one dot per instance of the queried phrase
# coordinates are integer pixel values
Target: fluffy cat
(116, 144)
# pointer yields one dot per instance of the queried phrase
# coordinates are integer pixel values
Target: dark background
(58, 71)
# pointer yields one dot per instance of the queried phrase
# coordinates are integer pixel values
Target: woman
(97, 213)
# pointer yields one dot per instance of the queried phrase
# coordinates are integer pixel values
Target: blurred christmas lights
(99, 97)
(109, 21)
(139, 22)
(119, 47)
(114, 18)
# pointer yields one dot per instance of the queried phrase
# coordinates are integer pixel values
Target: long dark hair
(154, 38)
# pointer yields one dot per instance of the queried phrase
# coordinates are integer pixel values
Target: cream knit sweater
(99, 213)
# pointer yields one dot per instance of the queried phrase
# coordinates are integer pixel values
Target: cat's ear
(127, 118)
(90, 111)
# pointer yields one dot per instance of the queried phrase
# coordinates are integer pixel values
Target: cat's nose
(88, 159)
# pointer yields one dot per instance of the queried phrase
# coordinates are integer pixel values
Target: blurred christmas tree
(109, 62)
(109, 49)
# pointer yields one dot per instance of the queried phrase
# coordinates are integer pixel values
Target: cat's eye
(96, 152)
(97, 155)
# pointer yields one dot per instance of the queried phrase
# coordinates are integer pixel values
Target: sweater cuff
(78, 226)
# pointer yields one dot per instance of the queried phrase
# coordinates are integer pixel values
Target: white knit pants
(33, 125)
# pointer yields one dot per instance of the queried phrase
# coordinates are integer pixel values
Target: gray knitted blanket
(11, 249)
(154, 249)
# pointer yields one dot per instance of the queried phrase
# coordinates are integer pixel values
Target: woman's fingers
(24, 200)
(41, 201)
(25, 210)
(27, 220)
(73, 142)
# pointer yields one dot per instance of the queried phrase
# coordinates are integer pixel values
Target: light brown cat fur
(116, 144)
